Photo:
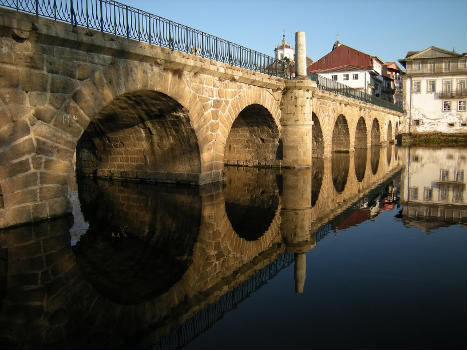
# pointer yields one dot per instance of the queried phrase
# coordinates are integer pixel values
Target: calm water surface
(364, 250)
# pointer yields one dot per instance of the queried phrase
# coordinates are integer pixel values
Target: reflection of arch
(137, 134)
(317, 171)
(397, 128)
(360, 134)
(340, 135)
(375, 132)
(317, 137)
(389, 135)
(360, 158)
(135, 248)
(374, 159)
(251, 200)
(389, 154)
(253, 138)
(340, 170)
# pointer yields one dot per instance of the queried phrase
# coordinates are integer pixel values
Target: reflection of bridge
(117, 108)
(62, 293)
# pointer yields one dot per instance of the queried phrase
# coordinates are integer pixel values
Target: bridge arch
(375, 155)
(375, 132)
(250, 130)
(360, 161)
(361, 134)
(341, 135)
(317, 137)
(142, 134)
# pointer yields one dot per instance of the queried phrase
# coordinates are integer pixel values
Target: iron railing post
(149, 29)
(127, 25)
(55, 10)
(37, 7)
(72, 13)
(101, 19)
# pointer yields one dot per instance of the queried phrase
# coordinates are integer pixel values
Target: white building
(351, 67)
(435, 91)
(284, 51)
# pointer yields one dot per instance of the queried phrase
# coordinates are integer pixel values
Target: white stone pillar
(300, 54)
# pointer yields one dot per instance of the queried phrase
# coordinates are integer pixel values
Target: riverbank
(432, 139)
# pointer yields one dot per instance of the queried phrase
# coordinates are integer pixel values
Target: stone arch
(340, 164)
(143, 134)
(253, 138)
(375, 132)
(317, 137)
(361, 134)
(389, 133)
(340, 135)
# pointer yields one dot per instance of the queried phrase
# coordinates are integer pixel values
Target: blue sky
(387, 29)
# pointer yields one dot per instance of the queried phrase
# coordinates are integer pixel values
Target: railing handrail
(342, 89)
(113, 17)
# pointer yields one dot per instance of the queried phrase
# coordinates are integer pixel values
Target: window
(417, 122)
(355, 76)
(346, 77)
(334, 77)
(416, 66)
(413, 193)
(417, 86)
(446, 106)
(431, 66)
(447, 86)
(460, 175)
(461, 86)
(444, 175)
(446, 66)
(443, 193)
(431, 86)
(461, 106)
(458, 196)
(427, 194)
(462, 63)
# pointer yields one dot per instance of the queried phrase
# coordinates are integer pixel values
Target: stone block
(83, 71)
(9, 77)
(16, 151)
(88, 99)
(45, 114)
(53, 179)
(61, 67)
(32, 80)
(39, 211)
(38, 98)
(77, 115)
(15, 169)
(53, 150)
(22, 197)
(57, 100)
(59, 206)
(13, 132)
(62, 84)
(54, 135)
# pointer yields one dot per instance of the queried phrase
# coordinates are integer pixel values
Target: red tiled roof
(340, 57)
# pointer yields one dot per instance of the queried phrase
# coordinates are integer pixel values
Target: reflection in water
(375, 154)
(160, 265)
(360, 163)
(340, 170)
(389, 154)
(135, 248)
(317, 172)
(433, 187)
(251, 200)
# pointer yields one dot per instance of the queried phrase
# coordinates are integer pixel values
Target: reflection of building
(433, 187)
(435, 90)
(353, 68)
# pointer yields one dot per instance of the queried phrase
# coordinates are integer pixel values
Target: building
(395, 74)
(433, 187)
(435, 91)
(353, 68)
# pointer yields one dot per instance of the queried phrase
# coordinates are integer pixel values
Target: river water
(364, 250)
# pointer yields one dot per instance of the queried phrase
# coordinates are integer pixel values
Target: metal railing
(115, 18)
(458, 93)
(341, 89)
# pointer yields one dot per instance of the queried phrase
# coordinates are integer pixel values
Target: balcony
(438, 69)
(459, 93)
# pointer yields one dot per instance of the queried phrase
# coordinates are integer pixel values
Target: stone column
(296, 121)
(296, 219)
(300, 54)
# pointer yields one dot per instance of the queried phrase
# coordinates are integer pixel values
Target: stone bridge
(80, 101)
